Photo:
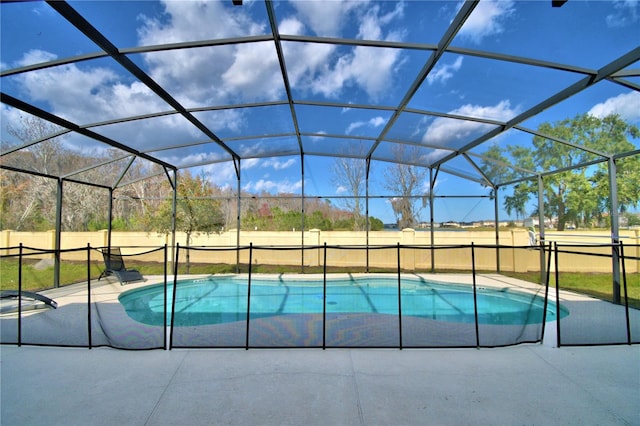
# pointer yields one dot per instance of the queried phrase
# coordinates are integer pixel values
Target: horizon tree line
(577, 196)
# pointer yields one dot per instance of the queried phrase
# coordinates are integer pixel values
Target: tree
(350, 174)
(196, 211)
(495, 165)
(28, 201)
(32, 198)
(407, 182)
(579, 195)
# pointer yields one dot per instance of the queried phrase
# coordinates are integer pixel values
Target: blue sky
(586, 34)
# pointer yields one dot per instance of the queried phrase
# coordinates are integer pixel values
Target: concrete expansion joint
(356, 390)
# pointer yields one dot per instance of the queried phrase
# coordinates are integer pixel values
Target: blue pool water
(224, 299)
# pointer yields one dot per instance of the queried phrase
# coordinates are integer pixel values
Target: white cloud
(627, 105)
(502, 111)
(353, 126)
(277, 164)
(255, 71)
(341, 189)
(197, 20)
(270, 186)
(218, 74)
(326, 18)
(86, 95)
(70, 91)
(487, 19)
(319, 138)
(377, 121)
(432, 157)
(192, 159)
(309, 59)
(251, 163)
(221, 174)
(371, 69)
(374, 122)
(36, 56)
(447, 131)
(397, 13)
(443, 72)
(627, 12)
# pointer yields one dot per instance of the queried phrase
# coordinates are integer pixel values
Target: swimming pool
(218, 300)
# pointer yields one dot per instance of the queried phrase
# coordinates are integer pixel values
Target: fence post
(399, 301)
(164, 318)
(637, 244)
(555, 258)
(89, 295)
(249, 295)
(475, 296)
(173, 298)
(20, 295)
(626, 295)
(546, 294)
(324, 298)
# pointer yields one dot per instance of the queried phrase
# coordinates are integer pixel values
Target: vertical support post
(89, 336)
(399, 301)
(496, 224)
(174, 212)
(246, 346)
(555, 256)
(475, 295)
(302, 215)
(366, 200)
(626, 294)
(58, 244)
(546, 293)
(431, 208)
(110, 222)
(175, 291)
(238, 223)
(615, 229)
(165, 307)
(20, 295)
(541, 224)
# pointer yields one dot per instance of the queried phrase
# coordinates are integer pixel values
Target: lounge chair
(30, 303)
(114, 264)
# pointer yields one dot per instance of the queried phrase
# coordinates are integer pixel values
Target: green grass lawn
(592, 284)
(33, 279)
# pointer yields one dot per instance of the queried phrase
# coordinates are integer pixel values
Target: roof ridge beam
(451, 49)
(358, 42)
(196, 44)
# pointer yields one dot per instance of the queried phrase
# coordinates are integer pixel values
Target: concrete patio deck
(534, 384)
(528, 384)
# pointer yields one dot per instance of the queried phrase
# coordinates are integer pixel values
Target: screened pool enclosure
(329, 137)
